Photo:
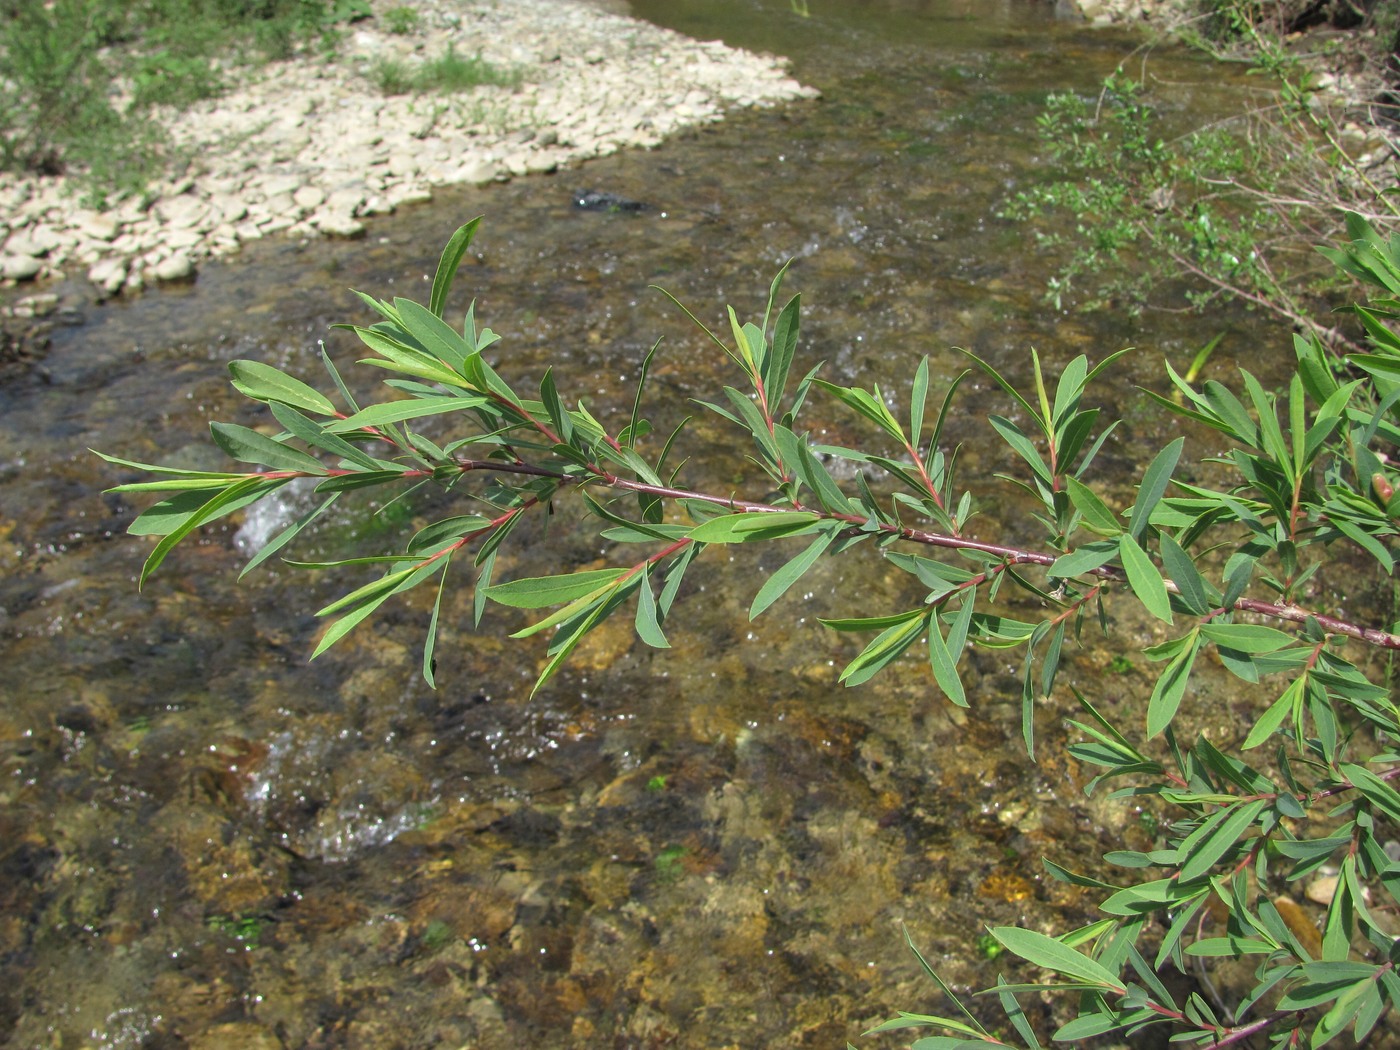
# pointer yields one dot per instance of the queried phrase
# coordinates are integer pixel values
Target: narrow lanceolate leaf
(779, 583)
(1098, 515)
(248, 446)
(1154, 484)
(811, 470)
(917, 403)
(1247, 637)
(558, 415)
(314, 434)
(1379, 793)
(754, 525)
(1084, 559)
(945, 662)
(450, 260)
(400, 357)
(397, 411)
(779, 362)
(433, 333)
(884, 649)
(367, 599)
(648, 622)
(264, 383)
(865, 404)
(284, 537)
(536, 592)
(1144, 579)
(237, 494)
(1045, 951)
(1279, 710)
(1224, 831)
(1170, 689)
(1190, 585)
(447, 530)
(163, 518)
(430, 642)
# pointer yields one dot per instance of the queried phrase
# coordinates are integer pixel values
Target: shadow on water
(205, 841)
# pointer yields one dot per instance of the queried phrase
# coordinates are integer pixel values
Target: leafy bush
(1230, 571)
(401, 21)
(63, 66)
(1227, 206)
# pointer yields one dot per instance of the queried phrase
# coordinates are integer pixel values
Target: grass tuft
(449, 73)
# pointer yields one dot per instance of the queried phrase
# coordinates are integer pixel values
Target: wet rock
(242, 1034)
(479, 172)
(227, 869)
(109, 275)
(177, 267)
(308, 197)
(36, 306)
(338, 224)
(19, 267)
(20, 244)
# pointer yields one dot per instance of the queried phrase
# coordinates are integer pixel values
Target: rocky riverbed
(310, 147)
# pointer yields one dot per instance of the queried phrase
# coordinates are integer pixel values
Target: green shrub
(61, 65)
(401, 21)
(1309, 480)
(1221, 210)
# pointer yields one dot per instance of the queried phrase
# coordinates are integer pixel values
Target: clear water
(206, 841)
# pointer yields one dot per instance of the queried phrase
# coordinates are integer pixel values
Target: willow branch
(1011, 555)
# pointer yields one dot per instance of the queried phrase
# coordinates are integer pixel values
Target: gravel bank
(306, 148)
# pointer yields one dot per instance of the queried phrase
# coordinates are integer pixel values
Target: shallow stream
(206, 841)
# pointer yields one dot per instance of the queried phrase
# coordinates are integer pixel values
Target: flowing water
(206, 841)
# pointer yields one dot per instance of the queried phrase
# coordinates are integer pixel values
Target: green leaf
(918, 402)
(945, 661)
(884, 649)
(1154, 483)
(398, 356)
(1084, 559)
(1279, 710)
(238, 494)
(1144, 579)
(755, 525)
(778, 584)
(1190, 585)
(872, 623)
(161, 519)
(279, 541)
(1377, 791)
(397, 411)
(452, 255)
(536, 592)
(314, 434)
(1247, 637)
(264, 383)
(867, 405)
(434, 334)
(1170, 689)
(1229, 947)
(779, 362)
(648, 623)
(430, 640)
(1098, 515)
(1217, 836)
(446, 530)
(248, 446)
(821, 482)
(1051, 954)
